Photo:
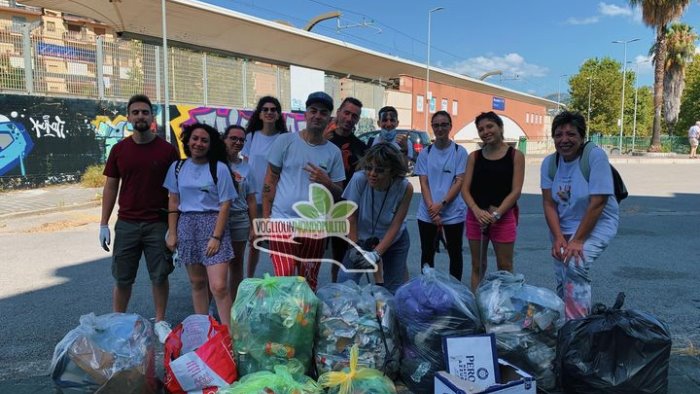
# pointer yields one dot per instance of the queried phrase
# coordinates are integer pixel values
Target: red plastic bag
(198, 356)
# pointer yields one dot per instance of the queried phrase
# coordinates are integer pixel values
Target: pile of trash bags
(525, 319)
(355, 379)
(428, 308)
(273, 322)
(353, 315)
(112, 353)
(614, 351)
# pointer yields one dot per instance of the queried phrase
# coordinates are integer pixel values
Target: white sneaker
(162, 329)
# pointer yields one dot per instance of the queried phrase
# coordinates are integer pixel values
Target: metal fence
(81, 64)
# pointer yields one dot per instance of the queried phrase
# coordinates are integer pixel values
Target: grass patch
(92, 177)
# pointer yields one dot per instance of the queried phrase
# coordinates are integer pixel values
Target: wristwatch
(496, 215)
(444, 203)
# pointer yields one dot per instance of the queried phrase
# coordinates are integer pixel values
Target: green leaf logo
(321, 198)
(343, 209)
(306, 210)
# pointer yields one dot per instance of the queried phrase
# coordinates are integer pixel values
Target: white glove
(366, 260)
(105, 237)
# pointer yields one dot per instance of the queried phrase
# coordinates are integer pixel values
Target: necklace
(304, 137)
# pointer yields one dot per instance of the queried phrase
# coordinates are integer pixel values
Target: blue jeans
(394, 264)
(574, 279)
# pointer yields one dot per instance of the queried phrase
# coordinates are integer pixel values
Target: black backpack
(619, 188)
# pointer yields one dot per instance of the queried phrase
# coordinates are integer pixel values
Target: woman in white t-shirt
(243, 208)
(582, 214)
(441, 212)
(264, 126)
(200, 194)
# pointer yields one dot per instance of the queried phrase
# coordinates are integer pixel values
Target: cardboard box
(512, 381)
(472, 358)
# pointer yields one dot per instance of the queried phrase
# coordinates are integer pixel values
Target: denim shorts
(239, 225)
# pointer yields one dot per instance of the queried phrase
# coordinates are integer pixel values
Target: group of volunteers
(202, 208)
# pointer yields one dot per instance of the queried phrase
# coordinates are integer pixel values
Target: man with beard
(352, 149)
(139, 163)
(296, 160)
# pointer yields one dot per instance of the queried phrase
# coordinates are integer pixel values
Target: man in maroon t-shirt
(140, 163)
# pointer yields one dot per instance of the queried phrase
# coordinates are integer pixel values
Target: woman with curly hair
(201, 190)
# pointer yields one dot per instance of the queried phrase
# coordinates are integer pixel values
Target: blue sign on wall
(498, 103)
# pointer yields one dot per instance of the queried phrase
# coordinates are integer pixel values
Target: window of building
(432, 104)
(527, 117)
(99, 31)
(455, 107)
(443, 104)
(50, 26)
(419, 103)
(75, 28)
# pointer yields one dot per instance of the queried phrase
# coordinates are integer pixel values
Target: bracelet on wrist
(216, 238)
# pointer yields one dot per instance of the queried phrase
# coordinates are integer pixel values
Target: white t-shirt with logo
(196, 187)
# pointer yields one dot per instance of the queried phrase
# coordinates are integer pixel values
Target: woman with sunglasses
(243, 208)
(493, 181)
(382, 194)
(265, 125)
(441, 212)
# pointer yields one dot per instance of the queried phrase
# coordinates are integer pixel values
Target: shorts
(239, 226)
(194, 230)
(503, 231)
(693, 141)
(131, 239)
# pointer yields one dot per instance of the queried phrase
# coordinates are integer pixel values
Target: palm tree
(658, 14)
(680, 48)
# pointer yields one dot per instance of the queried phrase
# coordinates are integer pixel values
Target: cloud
(582, 21)
(510, 64)
(613, 10)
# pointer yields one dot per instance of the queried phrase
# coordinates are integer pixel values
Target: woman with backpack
(264, 126)
(493, 181)
(441, 212)
(580, 209)
(200, 194)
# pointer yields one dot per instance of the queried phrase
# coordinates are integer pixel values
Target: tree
(658, 14)
(603, 80)
(690, 102)
(680, 47)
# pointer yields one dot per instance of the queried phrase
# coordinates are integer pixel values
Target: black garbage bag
(614, 351)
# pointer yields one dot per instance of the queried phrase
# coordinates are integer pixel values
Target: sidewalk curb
(44, 211)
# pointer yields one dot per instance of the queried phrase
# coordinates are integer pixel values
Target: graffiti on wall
(44, 138)
(15, 144)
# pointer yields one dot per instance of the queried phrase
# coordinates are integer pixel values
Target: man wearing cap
(295, 161)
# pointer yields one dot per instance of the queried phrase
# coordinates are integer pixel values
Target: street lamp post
(624, 70)
(427, 68)
(559, 91)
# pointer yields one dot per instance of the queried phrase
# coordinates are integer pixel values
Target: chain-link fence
(84, 65)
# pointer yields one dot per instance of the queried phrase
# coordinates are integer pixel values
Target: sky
(534, 43)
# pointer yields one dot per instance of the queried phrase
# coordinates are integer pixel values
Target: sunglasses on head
(268, 109)
(237, 139)
(377, 170)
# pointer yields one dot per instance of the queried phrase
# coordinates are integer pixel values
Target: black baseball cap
(320, 98)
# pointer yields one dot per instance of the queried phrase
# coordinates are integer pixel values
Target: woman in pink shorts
(492, 184)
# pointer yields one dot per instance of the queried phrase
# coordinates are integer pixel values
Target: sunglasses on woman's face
(237, 140)
(268, 109)
(377, 170)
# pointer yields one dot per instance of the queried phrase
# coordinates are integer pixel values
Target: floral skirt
(194, 230)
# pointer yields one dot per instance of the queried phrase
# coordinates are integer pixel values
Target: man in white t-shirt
(296, 160)
(693, 136)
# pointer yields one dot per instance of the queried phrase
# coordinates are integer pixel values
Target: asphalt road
(53, 269)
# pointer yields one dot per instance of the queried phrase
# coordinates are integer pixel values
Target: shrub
(92, 177)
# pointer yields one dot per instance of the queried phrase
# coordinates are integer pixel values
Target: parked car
(419, 139)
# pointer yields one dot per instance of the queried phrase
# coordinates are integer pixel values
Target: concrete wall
(47, 140)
